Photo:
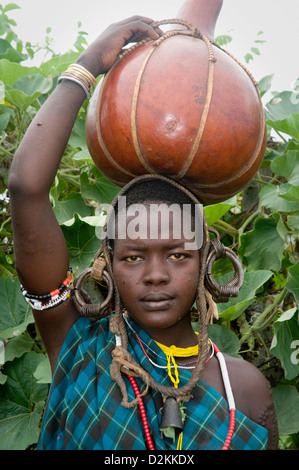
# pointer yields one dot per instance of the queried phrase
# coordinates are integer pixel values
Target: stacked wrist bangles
(54, 298)
(80, 75)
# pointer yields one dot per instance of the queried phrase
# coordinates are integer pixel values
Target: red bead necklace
(230, 398)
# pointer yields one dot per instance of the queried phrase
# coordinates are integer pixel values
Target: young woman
(147, 346)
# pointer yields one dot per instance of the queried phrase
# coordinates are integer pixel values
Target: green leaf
(293, 283)
(10, 6)
(214, 212)
(65, 210)
(77, 138)
(9, 53)
(291, 193)
(248, 57)
(225, 340)
(17, 346)
(286, 331)
(27, 89)
(263, 246)
(293, 223)
(58, 64)
(169, 432)
(102, 190)
(265, 84)
(21, 403)
(43, 372)
(11, 71)
(83, 155)
(287, 165)
(16, 313)
(255, 50)
(281, 106)
(237, 305)
(82, 243)
(286, 400)
(289, 126)
(273, 197)
(3, 378)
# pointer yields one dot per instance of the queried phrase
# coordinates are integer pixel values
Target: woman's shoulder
(253, 395)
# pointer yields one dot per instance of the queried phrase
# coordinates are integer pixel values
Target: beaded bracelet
(80, 75)
(52, 299)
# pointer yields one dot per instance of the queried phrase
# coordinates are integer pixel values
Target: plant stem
(20, 133)
(258, 324)
(222, 225)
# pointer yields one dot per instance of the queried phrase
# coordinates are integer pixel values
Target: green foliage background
(261, 224)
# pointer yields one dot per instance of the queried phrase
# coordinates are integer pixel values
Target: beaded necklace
(171, 352)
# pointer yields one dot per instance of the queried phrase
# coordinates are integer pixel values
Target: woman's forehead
(158, 221)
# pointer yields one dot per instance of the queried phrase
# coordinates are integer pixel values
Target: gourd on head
(179, 107)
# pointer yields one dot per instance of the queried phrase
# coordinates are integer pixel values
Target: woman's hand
(99, 57)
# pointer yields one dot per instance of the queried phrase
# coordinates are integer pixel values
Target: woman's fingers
(102, 53)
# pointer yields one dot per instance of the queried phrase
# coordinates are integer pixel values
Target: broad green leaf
(265, 84)
(214, 212)
(263, 246)
(293, 223)
(225, 340)
(287, 165)
(10, 6)
(21, 403)
(82, 243)
(58, 64)
(237, 305)
(83, 155)
(272, 197)
(33, 84)
(11, 71)
(65, 210)
(26, 90)
(281, 106)
(101, 191)
(17, 346)
(16, 313)
(9, 53)
(4, 120)
(43, 372)
(3, 378)
(293, 283)
(286, 331)
(290, 193)
(286, 400)
(77, 138)
(289, 125)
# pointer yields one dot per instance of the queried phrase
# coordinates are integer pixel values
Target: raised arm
(40, 250)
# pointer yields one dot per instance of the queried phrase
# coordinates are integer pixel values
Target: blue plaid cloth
(84, 410)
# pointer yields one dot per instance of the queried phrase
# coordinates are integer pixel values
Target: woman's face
(157, 278)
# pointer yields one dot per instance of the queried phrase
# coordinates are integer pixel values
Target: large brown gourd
(181, 107)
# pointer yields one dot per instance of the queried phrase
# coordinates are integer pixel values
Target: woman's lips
(157, 301)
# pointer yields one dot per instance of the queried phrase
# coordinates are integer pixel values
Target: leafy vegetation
(261, 224)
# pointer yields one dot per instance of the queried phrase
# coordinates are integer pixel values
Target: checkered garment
(84, 410)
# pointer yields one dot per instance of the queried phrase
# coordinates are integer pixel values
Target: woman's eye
(133, 259)
(177, 256)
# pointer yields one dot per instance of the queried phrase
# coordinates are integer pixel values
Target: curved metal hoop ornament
(222, 293)
(94, 311)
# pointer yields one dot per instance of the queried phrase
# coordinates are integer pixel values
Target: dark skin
(144, 272)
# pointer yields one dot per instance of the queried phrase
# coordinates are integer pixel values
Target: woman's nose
(156, 272)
